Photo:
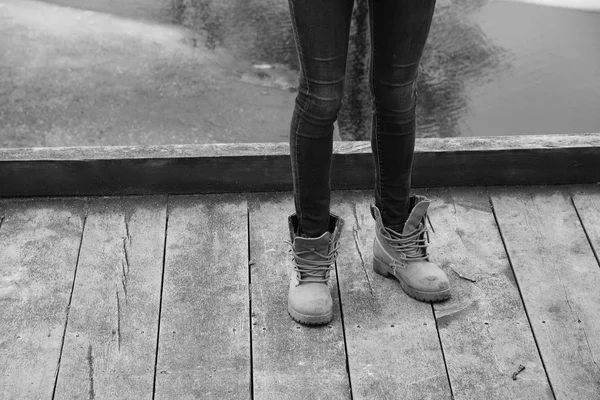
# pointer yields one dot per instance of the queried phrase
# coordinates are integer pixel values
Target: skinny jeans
(398, 32)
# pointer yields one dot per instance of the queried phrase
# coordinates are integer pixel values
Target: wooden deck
(184, 296)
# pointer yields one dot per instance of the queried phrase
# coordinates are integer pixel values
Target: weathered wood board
(290, 361)
(559, 279)
(91, 270)
(393, 346)
(39, 245)
(110, 343)
(204, 340)
(260, 167)
(483, 327)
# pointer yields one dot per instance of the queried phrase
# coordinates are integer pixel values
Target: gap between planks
(69, 309)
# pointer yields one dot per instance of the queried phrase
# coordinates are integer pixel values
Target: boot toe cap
(429, 278)
(310, 299)
(433, 283)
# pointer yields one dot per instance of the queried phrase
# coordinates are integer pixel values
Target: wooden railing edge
(257, 167)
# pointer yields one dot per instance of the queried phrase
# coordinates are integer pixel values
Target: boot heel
(381, 268)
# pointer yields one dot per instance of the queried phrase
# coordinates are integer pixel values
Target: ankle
(301, 233)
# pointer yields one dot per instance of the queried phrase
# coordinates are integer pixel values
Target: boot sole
(386, 271)
(310, 319)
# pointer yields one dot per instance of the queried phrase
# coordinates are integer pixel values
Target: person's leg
(399, 30)
(321, 30)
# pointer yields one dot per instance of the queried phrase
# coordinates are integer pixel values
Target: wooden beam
(265, 167)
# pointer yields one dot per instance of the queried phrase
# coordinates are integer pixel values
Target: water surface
(551, 79)
(491, 67)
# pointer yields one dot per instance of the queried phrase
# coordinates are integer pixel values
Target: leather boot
(404, 255)
(309, 297)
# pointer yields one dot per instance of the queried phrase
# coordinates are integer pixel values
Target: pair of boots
(402, 255)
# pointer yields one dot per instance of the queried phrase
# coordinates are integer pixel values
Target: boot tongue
(320, 244)
(416, 214)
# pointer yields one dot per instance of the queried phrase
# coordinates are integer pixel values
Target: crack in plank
(90, 360)
(118, 320)
(125, 268)
(124, 279)
(126, 254)
(355, 229)
(125, 219)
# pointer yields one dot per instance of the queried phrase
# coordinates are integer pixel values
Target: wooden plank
(39, 244)
(290, 361)
(483, 327)
(204, 341)
(256, 167)
(393, 346)
(110, 343)
(559, 280)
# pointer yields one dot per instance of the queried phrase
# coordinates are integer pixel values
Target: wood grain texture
(559, 279)
(393, 346)
(39, 243)
(166, 152)
(204, 343)
(291, 361)
(110, 342)
(483, 327)
(255, 167)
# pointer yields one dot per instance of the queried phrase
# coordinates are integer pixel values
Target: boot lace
(313, 270)
(410, 246)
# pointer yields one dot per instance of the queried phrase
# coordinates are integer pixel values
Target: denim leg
(399, 30)
(321, 31)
